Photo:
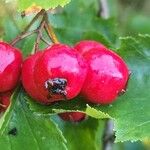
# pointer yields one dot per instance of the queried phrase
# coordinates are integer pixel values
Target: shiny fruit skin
(72, 116)
(60, 61)
(86, 45)
(58, 64)
(28, 77)
(107, 76)
(10, 66)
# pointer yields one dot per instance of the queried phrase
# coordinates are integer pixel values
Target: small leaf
(66, 106)
(46, 4)
(79, 19)
(132, 110)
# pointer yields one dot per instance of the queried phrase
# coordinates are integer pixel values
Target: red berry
(107, 76)
(85, 46)
(28, 77)
(57, 74)
(4, 101)
(72, 116)
(10, 66)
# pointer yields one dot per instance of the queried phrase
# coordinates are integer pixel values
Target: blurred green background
(131, 18)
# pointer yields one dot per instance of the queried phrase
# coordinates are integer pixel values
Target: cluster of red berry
(61, 72)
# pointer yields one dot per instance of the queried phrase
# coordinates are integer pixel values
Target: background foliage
(38, 127)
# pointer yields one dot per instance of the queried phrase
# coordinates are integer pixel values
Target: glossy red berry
(107, 76)
(86, 45)
(4, 101)
(10, 66)
(72, 116)
(28, 77)
(57, 74)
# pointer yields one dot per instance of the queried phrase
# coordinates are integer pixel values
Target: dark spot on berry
(56, 86)
(13, 131)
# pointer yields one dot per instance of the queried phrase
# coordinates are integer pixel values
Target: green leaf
(77, 31)
(66, 106)
(129, 146)
(27, 46)
(79, 19)
(33, 132)
(10, 29)
(46, 4)
(83, 135)
(132, 110)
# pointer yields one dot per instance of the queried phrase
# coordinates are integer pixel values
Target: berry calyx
(72, 116)
(107, 76)
(10, 66)
(56, 86)
(57, 73)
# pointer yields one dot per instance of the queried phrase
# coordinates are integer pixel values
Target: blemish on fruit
(13, 132)
(56, 86)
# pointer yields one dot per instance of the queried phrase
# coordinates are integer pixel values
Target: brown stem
(50, 31)
(39, 35)
(24, 33)
(45, 41)
(44, 24)
(33, 20)
(22, 36)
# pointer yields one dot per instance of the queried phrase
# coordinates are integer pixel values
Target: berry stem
(33, 20)
(22, 36)
(39, 35)
(44, 24)
(45, 41)
(49, 30)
